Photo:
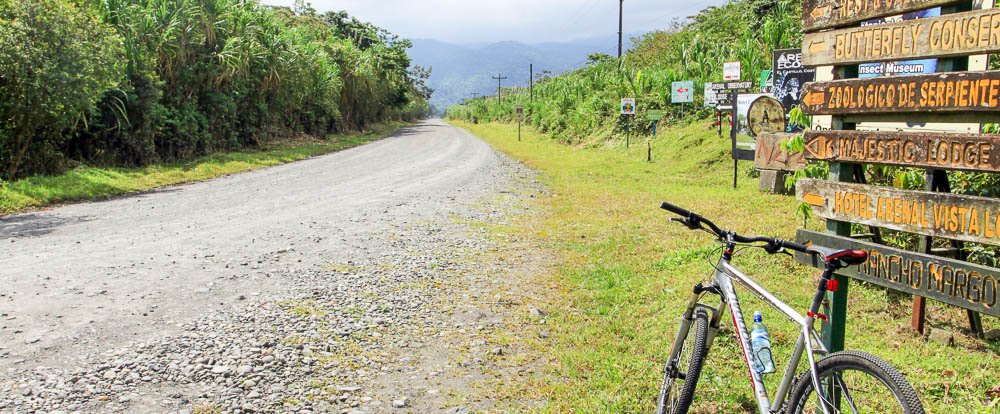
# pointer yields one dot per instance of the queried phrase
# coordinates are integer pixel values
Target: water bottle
(760, 343)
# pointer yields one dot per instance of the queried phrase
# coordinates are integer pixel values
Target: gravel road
(348, 283)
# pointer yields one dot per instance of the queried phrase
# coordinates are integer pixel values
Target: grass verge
(625, 275)
(93, 183)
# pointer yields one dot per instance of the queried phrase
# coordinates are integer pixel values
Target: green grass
(92, 183)
(625, 275)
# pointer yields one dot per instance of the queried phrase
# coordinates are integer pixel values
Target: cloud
(469, 21)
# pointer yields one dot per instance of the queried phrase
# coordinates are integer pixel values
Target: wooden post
(937, 180)
(649, 152)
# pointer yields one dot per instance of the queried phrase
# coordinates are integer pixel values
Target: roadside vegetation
(585, 102)
(131, 83)
(90, 183)
(625, 275)
(582, 106)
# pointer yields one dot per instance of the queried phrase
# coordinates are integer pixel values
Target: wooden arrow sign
(769, 154)
(946, 92)
(950, 35)
(827, 14)
(952, 216)
(954, 282)
(967, 152)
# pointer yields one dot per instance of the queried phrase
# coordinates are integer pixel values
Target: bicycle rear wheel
(854, 382)
(681, 376)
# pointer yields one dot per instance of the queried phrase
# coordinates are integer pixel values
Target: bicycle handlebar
(694, 221)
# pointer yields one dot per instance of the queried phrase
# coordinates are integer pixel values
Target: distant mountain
(460, 70)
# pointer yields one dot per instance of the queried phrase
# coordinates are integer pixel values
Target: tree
(56, 62)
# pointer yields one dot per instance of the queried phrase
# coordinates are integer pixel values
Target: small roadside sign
(682, 92)
(654, 115)
(520, 113)
(731, 71)
(766, 81)
(628, 106)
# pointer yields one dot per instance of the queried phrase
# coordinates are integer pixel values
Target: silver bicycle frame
(724, 277)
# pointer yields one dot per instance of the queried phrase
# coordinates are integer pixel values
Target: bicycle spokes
(853, 392)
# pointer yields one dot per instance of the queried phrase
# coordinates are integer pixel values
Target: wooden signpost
(827, 14)
(952, 216)
(964, 152)
(950, 35)
(769, 155)
(946, 92)
(837, 37)
(950, 281)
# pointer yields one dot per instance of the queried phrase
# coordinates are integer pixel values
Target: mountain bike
(848, 382)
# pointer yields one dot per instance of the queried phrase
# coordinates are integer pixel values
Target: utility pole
(474, 95)
(499, 78)
(531, 82)
(621, 4)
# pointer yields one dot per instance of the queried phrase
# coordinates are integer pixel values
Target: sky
(529, 21)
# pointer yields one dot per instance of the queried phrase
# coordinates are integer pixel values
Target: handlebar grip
(795, 246)
(674, 209)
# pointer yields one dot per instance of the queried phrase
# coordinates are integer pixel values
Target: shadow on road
(32, 225)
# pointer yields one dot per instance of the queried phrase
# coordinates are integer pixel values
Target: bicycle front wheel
(854, 382)
(681, 376)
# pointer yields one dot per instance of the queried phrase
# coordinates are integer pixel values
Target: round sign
(766, 115)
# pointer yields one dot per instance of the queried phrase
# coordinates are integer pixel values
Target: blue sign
(905, 67)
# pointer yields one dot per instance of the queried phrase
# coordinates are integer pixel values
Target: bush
(56, 63)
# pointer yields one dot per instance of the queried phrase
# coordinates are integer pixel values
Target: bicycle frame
(723, 285)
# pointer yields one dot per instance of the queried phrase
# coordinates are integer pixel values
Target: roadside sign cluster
(906, 39)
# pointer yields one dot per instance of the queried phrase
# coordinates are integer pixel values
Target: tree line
(134, 82)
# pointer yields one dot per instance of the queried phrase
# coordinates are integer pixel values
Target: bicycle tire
(698, 351)
(839, 362)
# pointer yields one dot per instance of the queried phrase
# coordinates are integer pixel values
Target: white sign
(682, 92)
(711, 96)
(628, 106)
(731, 71)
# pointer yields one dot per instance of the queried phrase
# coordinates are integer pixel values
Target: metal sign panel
(827, 14)
(731, 71)
(954, 282)
(720, 94)
(946, 92)
(904, 67)
(711, 94)
(967, 152)
(628, 106)
(951, 216)
(789, 78)
(765, 82)
(950, 35)
(682, 92)
(654, 115)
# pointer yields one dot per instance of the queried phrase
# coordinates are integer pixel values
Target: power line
(499, 78)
